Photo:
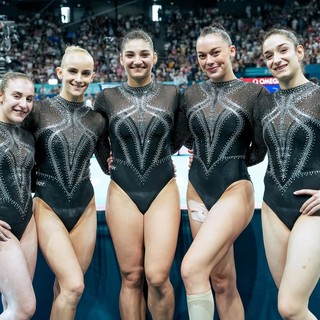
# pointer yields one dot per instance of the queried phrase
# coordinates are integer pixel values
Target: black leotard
(16, 162)
(291, 130)
(221, 119)
(140, 124)
(66, 135)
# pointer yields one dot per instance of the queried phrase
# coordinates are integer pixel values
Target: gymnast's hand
(190, 157)
(312, 205)
(4, 234)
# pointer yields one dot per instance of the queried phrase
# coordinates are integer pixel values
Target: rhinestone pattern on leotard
(69, 139)
(208, 119)
(292, 133)
(16, 162)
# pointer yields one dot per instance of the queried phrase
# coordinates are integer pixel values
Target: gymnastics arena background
(35, 46)
(102, 280)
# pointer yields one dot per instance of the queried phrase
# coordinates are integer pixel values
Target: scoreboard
(270, 83)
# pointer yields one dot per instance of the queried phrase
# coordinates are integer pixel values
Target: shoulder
(194, 88)
(195, 92)
(37, 105)
(257, 91)
(254, 87)
(32, 119)
(315, 88)
(169, 87)
(45, 102)
(26, 134)
(111, 90)
(93, 113)
(42, 105)
(98, 117)
(100, 101)
(107, 94)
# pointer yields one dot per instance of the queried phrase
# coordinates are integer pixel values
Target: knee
(26, 309)
(288, 308)
(223, 284)
(29, 309)
(77, 289)
(156, 278)
(73, 292)
(133, 278)
(187, 271)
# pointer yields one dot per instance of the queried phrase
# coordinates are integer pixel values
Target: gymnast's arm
(257, 149)
(103, 149)
(181, 135)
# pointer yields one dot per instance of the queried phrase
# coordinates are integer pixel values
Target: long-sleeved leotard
(141, 128)
(66, 134)
(226, 137)
(16, 162)
(291, 130)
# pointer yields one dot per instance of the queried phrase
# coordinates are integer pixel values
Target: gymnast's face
(16, 100)
(138, 58)
(76, 74)
(214, 57)
(283, 58)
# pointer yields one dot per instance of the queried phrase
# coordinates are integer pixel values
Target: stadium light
(155, 12)
(65, 14)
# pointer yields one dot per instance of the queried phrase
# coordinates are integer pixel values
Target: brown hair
(217, 29)
(284, 31)
(11, 75)
(136, 34)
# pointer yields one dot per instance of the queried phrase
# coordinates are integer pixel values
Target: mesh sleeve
(181, 133)
(30, 123)
(102, 150)
(257, 150)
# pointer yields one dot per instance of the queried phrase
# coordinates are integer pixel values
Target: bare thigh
(275, 237)
(223, 224)
(56, 245)
(225, 269)
(29, 245)
(125, 223)
(16, 272)
(302, 269)
(161, 228)
(83, 236)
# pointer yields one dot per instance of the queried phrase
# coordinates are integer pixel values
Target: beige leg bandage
(200, 306)
(198, 210)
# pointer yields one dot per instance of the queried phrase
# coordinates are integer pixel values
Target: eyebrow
(212, 49)
(143, 51)
(278, 46)
(21, 93)
(74, 68)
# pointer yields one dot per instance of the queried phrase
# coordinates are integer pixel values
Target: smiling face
(138, 58)
(76, 73)
(214, 57)
(283, 59)
(16, 100)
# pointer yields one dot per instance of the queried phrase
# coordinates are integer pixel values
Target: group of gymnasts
(133, 130)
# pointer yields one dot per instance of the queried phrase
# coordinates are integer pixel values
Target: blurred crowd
(246, 31)
(41, 39)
